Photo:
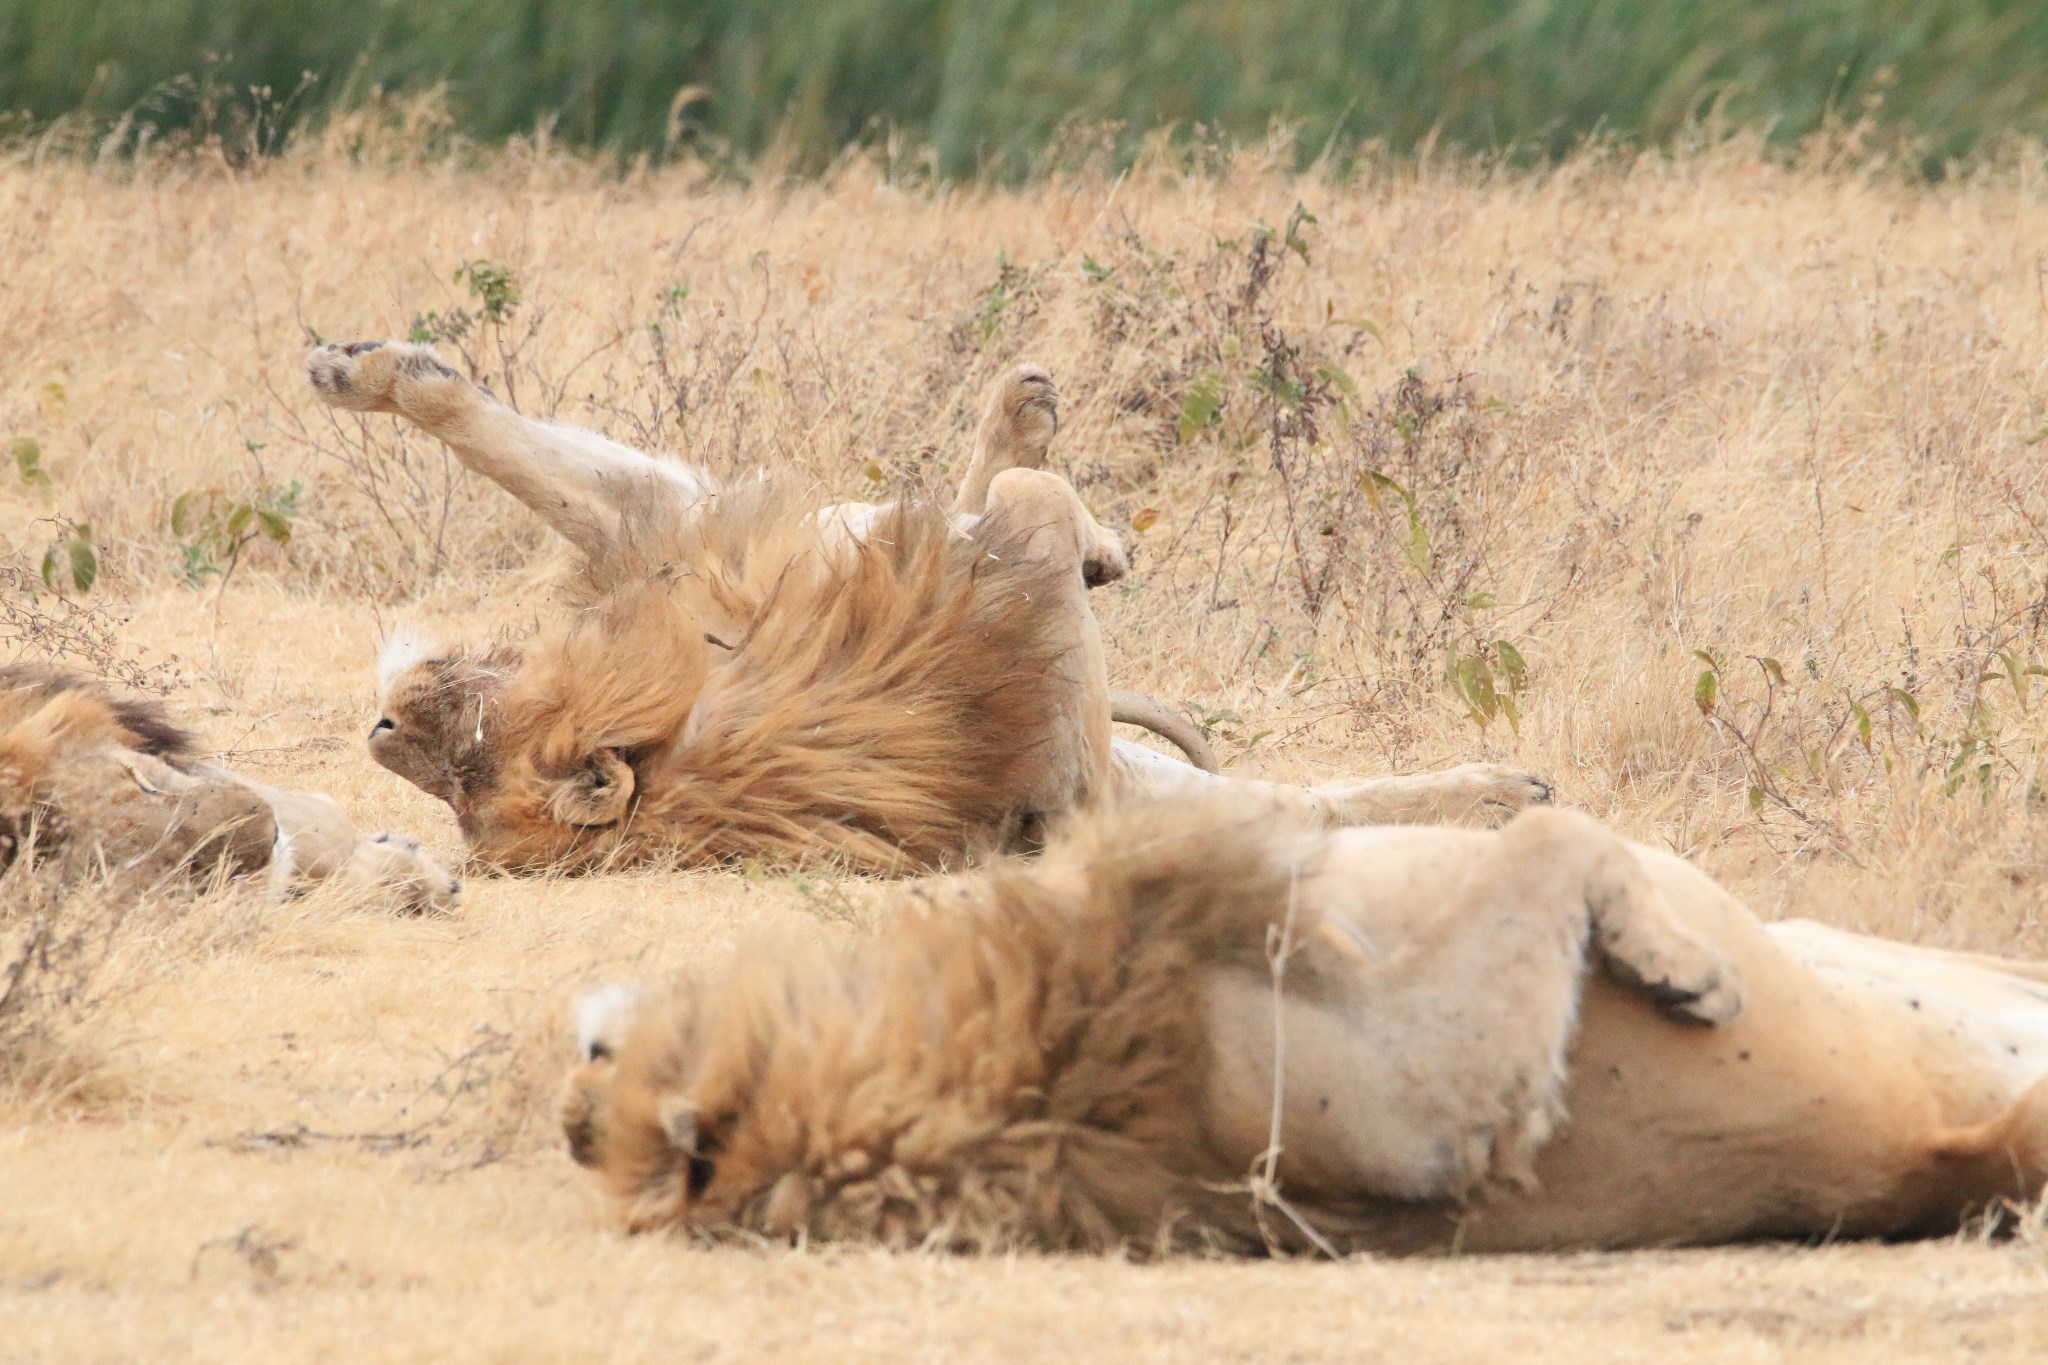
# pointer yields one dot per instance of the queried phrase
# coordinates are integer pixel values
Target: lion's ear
(598, 793)
(677, 1115)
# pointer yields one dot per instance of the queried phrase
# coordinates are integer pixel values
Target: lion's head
(439, 719)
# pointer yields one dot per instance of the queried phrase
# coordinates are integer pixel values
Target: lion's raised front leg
(1433, 1059)
(583, 485)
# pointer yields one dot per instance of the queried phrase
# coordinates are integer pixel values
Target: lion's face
(602, 1017)
(640, 1111)
(438, 723)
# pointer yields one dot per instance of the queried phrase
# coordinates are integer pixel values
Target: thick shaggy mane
(142, 724)
(72, 789)
(1018, 1059)
(790, 697)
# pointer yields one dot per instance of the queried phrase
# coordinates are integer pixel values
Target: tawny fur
(93, 783)
(828, 629)
(875, 705)
(1018, 1059)
(1541, 1037)
(76, 766)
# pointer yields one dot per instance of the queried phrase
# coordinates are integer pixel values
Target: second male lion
(1191, 1024)
(889, 686)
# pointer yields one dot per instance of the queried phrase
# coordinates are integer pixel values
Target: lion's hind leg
(1967, 1170)
(1431, 1057)
(1472, 793)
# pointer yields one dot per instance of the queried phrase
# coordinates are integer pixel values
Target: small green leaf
(28, 462)
(72, 558)
(1297, 220)
(1375, 482)
(239, 518)
(1862, 723)
(85, 564)
(1756, 797)
(1480, 601)
(1336, 376)
(1706, 692)
(1417, 545)
(1512, 665)
(274, 524)
(182, 514)
(1907, 700)
(1706, 657)
(1773, 670)
(1474, 683)
(1204, 400)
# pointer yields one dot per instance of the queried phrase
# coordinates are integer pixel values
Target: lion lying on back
(771, 704)
(1536, 1038)
(97, 784)
(888, 687)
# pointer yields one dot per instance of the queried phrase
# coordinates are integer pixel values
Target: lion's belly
(1813, 1112)
(1972, 1014)
(1811, 1115)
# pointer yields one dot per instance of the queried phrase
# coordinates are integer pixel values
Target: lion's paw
(1103, 558)
(377, 376)
(1024, 413)
(1494, 789)
(1685, 979)
(1648, 949)
(395, 867)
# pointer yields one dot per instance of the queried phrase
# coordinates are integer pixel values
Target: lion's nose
(383, 724)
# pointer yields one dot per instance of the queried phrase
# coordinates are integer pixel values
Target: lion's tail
(1132, 708)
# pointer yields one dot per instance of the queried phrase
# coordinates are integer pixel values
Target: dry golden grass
(1712, 404)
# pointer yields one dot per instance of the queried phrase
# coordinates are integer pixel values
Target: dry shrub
(54, 947)
(38, 623)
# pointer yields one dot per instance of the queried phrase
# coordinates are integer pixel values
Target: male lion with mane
(890, 687)
(1202, 1024)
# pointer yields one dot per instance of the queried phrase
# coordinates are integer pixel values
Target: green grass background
(988, 84)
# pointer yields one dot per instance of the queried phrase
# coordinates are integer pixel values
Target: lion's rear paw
(377, 376)
(1493, 791)
(395, 868)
